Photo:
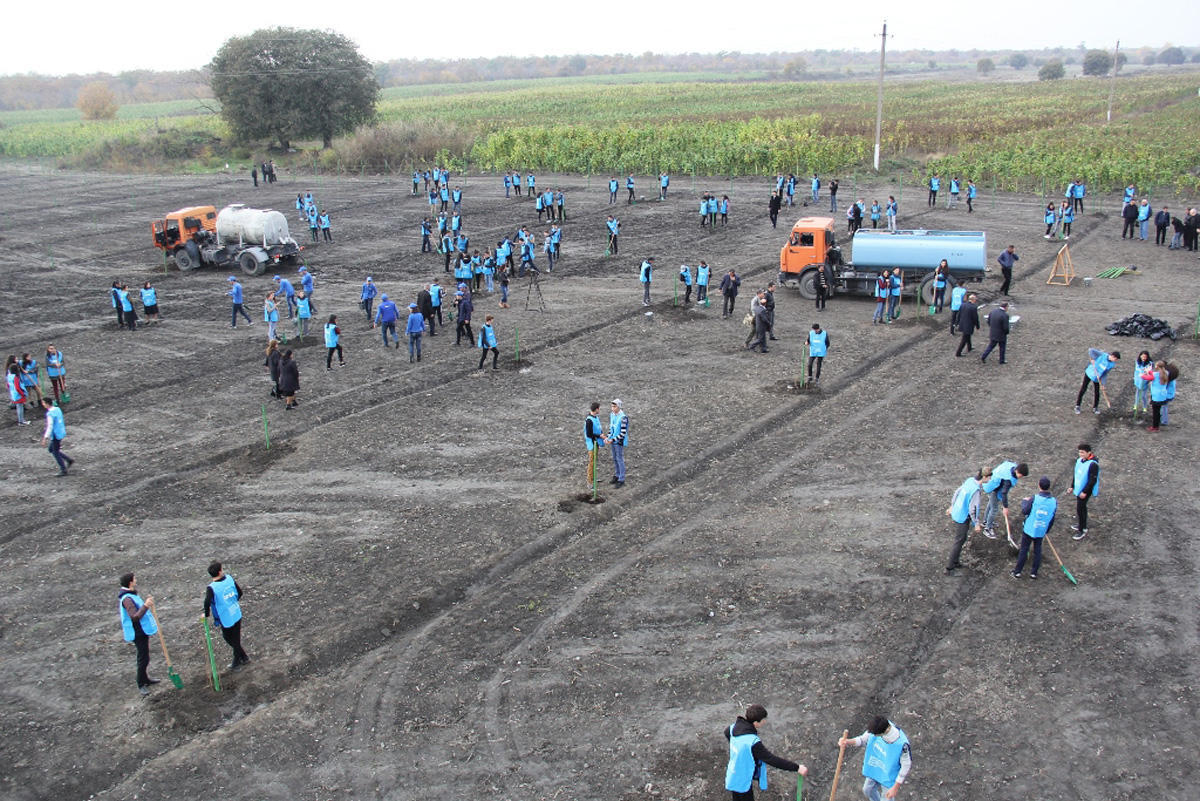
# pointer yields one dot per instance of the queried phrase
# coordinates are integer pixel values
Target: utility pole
(1112, 82)
(879, 94)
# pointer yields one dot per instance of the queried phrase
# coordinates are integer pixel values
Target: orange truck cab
(812, 247)
(171, 232)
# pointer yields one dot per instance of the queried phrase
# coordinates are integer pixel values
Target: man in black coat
(729, 288)
(1129, 214)
(1161, 220)
(1190, 224)
(997, 331)
(773, 206)
(425, 307)
(968, 323)
(769, 305)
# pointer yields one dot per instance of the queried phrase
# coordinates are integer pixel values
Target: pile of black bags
(1141, 325)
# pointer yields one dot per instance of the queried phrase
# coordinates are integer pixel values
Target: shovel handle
(161, 641)
(837, 774)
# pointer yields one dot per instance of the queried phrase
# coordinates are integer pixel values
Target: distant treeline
(30, 91)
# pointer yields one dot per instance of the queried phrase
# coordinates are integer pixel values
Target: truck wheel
(183, 260)
(808, 284)
(249, 264)
(926, 290)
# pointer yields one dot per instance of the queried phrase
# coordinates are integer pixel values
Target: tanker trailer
(249, 238)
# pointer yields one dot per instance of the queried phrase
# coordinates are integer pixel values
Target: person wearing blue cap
(414, 329)
(235, 294)
(306, 281)
(387, 316)
(289, 293)
(368, 296)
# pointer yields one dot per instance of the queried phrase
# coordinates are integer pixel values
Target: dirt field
(431, 611)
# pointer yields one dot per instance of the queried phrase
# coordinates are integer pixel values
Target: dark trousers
(821, 293)
(774, 218)
(1156, 412)
(970, 207)
(819, 360)
(55, 448)
(612, 242)
(429, 318)
(1026, 541)
(960, 539)
(933, 197)
(701, 292)
(437, 310)
(746, 796)
(233, 636)
(495, 357)
(329, 356)
(965, 342)
(1129, 227)
(368, 306)
(1160, 234)
(1078, 204)
(687, 294)
(237, 309)
(120, 315)
(426, 247)
(463, 326)
(389, 327)
(1007, 273)
(954, 314)
(993, 343)
(328, 234)
(1081, 511)
(630, 198)
(939, 298)
(1095, 392)
(131, 319)
(759, 337)
(142, 643)
(727, 305)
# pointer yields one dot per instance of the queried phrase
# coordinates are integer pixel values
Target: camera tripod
(535, 285)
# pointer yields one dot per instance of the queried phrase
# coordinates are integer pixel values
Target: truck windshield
(830, 239)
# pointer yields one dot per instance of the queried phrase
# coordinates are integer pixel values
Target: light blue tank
(966, 251)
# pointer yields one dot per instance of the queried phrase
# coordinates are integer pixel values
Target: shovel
(175, 678)
(837, 774)
(1066, 572)
(212, 658)
(1008, 530)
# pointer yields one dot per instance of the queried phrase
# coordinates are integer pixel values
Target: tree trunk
(327, 141)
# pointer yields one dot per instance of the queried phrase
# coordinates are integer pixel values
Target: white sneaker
(1076, 410)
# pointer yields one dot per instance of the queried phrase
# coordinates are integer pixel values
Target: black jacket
(998, 324)
(968, 317)
(1130, 212)
(759, 751)
(289, 376)
(425, 303)
(273, 364)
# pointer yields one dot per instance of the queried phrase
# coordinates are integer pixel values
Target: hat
(302, 270)
(276, 278)
(617, 402)
(383, 296)
(368, 279)
(412, 305)
(462, 286)
(231, 278)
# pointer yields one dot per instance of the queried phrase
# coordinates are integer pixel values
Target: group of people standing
(318, 221)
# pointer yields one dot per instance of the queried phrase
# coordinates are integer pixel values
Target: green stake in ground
(212, 658)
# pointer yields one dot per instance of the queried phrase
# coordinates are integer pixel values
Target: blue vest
(647, 272)
(1068, 215)
(1049, 216)
(270, 313)
(965, 497)
(956, 298)
(954, 187)
(612, 185)
(435, 295)
(226, 608)
(1040, 516)
(54, 364)
(614, 428)
(896, 282)
(303, 310)
(58, 430)
(818, 342)
(149, 625)
(149, 297)
(702, 276)
(1100, 368)
(593, 423)
(939, 280)
(971, 191)
(613, 227)
(323, 220)
(1159, 391)
(124, 298)
(935, 184)
(331, 335)
(881, 760)
(1138, 370)
(487, 337)
(1081, 474)
(1171, 390)
(664, 180)
(739, 775)
(686, 276)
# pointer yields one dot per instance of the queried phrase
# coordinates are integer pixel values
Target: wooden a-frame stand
(1063, 272)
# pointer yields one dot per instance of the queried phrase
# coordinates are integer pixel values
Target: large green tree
(1097, 62)
(289, 84)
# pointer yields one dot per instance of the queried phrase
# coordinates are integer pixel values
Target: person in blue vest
(1143, 374)
(1050, 217)
(300, 207)
(517, 186)
(367, 297)
(435, 300)
(560, 200)
(748, 757)
(1039, 513)
(1162, 391)
(548, 249)
(964, 512)
(540, 206)
(941, 277)
(56, 371)
(1085, 485)
(487, 342)
(28, 367)
(333, 342)
(507, 184)
(426, 232)
(664, 181)
(386, 316)
(323, 224)
(593, 438)
(704, 210)
(1143, 219)
(414, 329)
(138, 625)
(617, 438)
(629, 186)
(416, 180)
(235, 294)
(723, 207)
(702, 274)
(956, 302)
(887, 758)
(1078, 191)
(222, 597)
(289, 293)
(818, 347)
(876, 214)
(303, 313)
(306, 282)
(1004, 477)
(456, 198)
(790, 190)
(816, 187)
(313, 222)
(444, 197)
(432, 200)
(530, 182)
(685, 278)
(114, 298)
(17, 396)
(614, 231)
(270, 314)
(645, 276)
(1066, 215)
(556, 238)
(612, 190)
(955, 189)
(1099, 365)
(890, 211)
(548, 203)
(149, 301)
(127, 309)
(972, 193)
(935, 183)
(447, 248)
(55, 433)
(897, 287)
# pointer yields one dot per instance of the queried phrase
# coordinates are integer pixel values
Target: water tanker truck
(250, 238)
(812, 246)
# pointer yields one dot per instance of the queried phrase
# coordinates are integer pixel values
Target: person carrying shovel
(1099, 365)
(138, 625)
(748, 757)
(887, 758)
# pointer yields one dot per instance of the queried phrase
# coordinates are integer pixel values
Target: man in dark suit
(968, 322)
(997, 331)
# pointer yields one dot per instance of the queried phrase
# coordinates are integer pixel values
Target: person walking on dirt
(887, 758)
(254, 176)
(386, 316)
(773, 206)
(1039, 517)
(1004, 477)
(333, 342)
(816, 188)
(664, 181)
(935, 183)
(614, 230)
(56, 371)
(818, 347)
(367, 297)
(288, 292)
(833, 188)
(306, 283)
(1084, 486)
(138, 625)
(29, 378)
(235, 294)
(55, 433)
(487, 342)
(883, 289)
(957, 295)
(968, 323)
(1099, 366)
(414, 329)
(617, 438)
(271, 362)
(941, 276)
(891, 210)
(462, 299)
(270, 315)
(897, 287)
(289, 379)
(612, 190)
(998, 328)
(131, 319)
(435, 297)
(769, 305)
(759, 333)
(303, 313)
(425, 306)
(323, 224)
(702, 273)
(963, 512)
(685, 278)
(729, 289)
(1007, 259)
(748, 757)
(645, 276)
(593, 438)
(222, 597)
(16, 393)
(629, 186)
(1129, 216)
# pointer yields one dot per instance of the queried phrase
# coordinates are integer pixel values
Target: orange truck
(812, 246)
(251, 239)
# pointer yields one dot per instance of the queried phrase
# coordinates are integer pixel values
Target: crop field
(1016, 134)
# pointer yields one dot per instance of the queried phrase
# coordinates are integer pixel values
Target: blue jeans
(833, 202)
(237, 309)
(291, 305)
(873, 790)
(618, 452)
(389, 326)
(646, 293)
(504, 293)
(996, 499)
(1144, 229)
(1176, 241)
(880, 305)
(893, 300)
(814, 194)
(414, 345)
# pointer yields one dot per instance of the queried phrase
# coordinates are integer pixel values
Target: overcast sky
(113, 37)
